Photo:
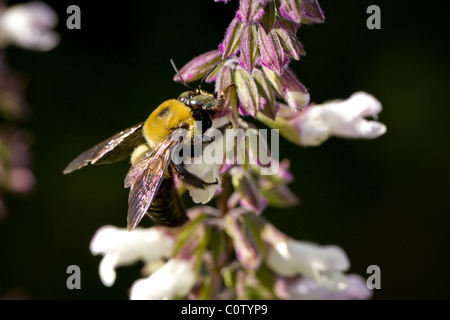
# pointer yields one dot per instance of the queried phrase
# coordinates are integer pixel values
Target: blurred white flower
(324, 264)
(29, 26)
(174, 279)
(343, 119)
(302, 288)
(121, 247)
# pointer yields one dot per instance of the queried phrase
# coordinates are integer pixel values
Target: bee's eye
(186, 96)
(184, 125)
(200, 100)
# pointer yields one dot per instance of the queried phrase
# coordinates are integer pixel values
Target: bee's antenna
(178, 73)
(206, 76)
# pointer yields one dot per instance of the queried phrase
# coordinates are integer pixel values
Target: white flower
(121, 247)
(207, 165)
(316, 123)
(208, 173)
(324, 264)
(341, 118)
(29, 26)
(174, 279)
(306, 289)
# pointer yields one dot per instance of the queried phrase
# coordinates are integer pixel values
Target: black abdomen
(166, 208)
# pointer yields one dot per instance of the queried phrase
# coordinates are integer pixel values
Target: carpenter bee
(151, 145)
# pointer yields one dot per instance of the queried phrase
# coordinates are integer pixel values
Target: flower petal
(208, 164)
(208, 173)
(121, 247)
(175, 279)
(107, 269)
(342, 119)
(324, 264)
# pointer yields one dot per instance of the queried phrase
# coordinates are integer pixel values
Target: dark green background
(384, 201)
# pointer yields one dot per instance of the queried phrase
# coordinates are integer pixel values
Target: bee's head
(197, 98)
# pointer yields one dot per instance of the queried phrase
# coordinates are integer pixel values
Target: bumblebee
(151, 145)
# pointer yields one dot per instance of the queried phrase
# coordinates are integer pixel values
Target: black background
(384, 201)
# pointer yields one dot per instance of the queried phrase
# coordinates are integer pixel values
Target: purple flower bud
(279, 196)
(247, 92)
(301, 11)
(271, 51)
(264, 2)
(311, 12)
(289, 88)
(296, 94)
(250, 11)
(225, 76)
(246, 249)
(230, 43)
(290, 9)
(290, 43)
(249, 51)
(199, 66)
(268, 104)
(251, 197)
(268, 19)
(284, 171)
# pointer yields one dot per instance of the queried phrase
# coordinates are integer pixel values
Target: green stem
(222, 205)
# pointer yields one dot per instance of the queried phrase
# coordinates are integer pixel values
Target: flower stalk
(233, 251)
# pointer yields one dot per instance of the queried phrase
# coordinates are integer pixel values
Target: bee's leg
(191, 179)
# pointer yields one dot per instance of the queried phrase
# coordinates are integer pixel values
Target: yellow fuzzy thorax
(165, 119)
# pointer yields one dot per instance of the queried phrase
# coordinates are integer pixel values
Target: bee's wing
(144, 179)
(114, 149)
